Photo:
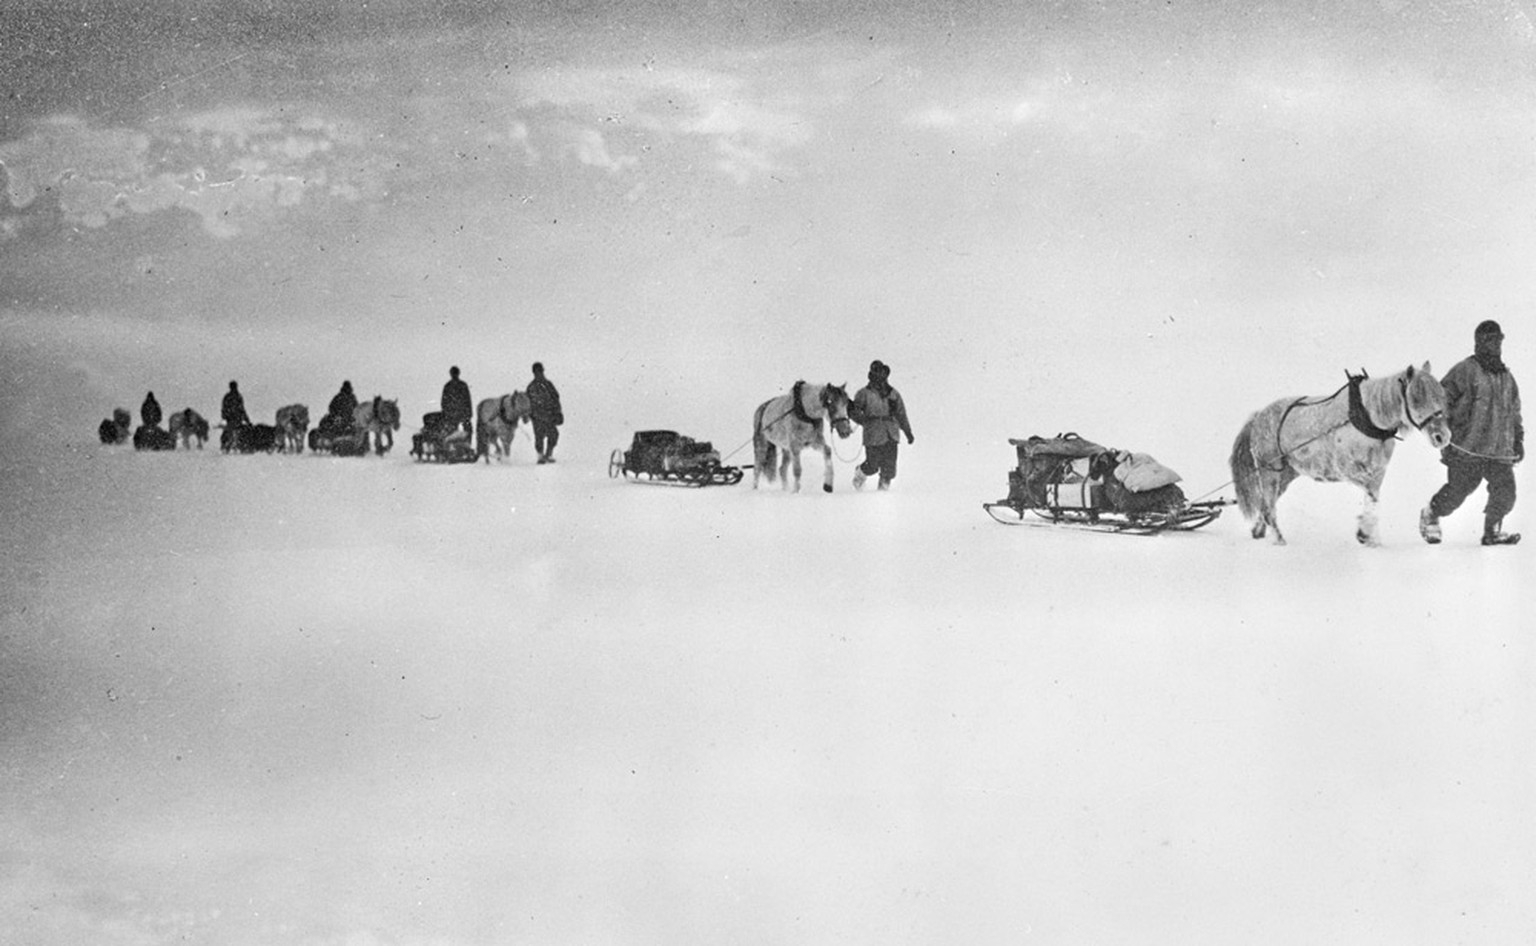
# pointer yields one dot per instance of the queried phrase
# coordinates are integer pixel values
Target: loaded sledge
(1071, 481)
(443, 440)
(666, 456)
(337, 436)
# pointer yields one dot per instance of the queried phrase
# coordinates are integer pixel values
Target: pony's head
(1424, 404)
(834, 400)
(517, 405)
(387, 412)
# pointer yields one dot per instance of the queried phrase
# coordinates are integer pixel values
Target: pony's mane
(1384, 397)
(1383, 400)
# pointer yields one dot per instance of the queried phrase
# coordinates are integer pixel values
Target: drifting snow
(316, 700)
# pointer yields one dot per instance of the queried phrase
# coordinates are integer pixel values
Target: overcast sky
(665, 194)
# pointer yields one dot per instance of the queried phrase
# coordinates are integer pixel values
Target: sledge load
(666, 456)
(1071, 481)
(443, 440)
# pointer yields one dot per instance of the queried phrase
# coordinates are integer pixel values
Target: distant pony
(787, 424)
(188, 425)
(380, 418)
(292, 423)
(497, 420)
(1349, 436)
(115, 429)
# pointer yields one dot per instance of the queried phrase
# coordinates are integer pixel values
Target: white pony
(496, 423)
(789, 423)
(380, 418)
(1345, 436)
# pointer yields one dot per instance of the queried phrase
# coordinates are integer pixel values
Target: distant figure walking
(1487, 438)
(233, 409)
(236, 420)
(546, 414)
(879, 409)
(150, 411)
(458, 408)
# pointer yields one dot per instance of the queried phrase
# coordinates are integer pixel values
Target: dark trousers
(880, 458)
(545, 435)
(1462, 477)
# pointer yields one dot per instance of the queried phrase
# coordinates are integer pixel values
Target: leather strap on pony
(1359, 417)
(1280, 452)
(1402, 384)
(799, 409)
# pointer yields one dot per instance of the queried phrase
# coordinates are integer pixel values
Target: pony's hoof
(1367, 540)
(826, 487)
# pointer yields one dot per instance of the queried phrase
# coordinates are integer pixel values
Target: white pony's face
(834, 397)
(1425, 404)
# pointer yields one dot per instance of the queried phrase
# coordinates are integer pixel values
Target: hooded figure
(457, 407)
(233, 409)
(1482, 406)
(150, 411)
(879, 409)
(545, 413)
(343, 404)
(338, 417)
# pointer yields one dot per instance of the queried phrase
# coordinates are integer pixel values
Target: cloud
(227, 166)
(719, 110)
(518, 134)
(1054, 99)
(592, 150)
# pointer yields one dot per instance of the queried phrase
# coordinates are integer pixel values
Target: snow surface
(313, 700)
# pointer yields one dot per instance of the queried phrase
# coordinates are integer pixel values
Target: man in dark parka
(458, 408)
(1482, 404)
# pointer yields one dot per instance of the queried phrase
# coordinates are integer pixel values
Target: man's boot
(1429, 525)
(1494, 534)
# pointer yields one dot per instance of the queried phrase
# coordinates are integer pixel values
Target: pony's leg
(1365, 530)
(760, 458)
(826, 459)
(1271, 485)
(791, 463)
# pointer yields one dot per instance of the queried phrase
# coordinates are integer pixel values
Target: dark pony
(188, 425)
(115, 429)
(292, 424)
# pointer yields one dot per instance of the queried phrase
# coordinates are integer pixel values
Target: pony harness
(1359, 417)
(799, 408)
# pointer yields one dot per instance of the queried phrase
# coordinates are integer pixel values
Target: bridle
(826, 405)
(1402, 384)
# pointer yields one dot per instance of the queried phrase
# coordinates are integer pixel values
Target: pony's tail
(765, 455)
(1245, 471)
